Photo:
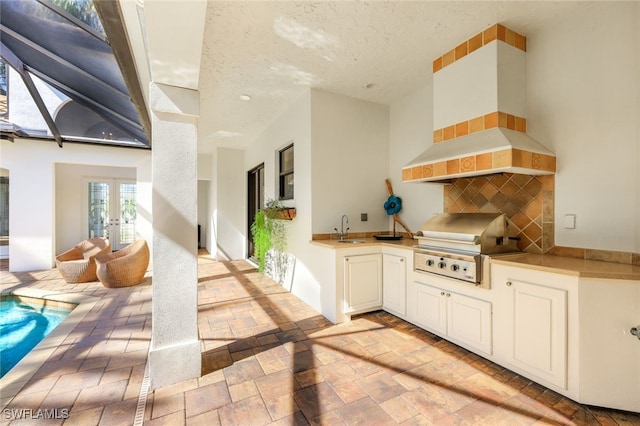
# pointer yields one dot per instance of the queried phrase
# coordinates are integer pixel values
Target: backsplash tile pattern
(495, 32)
(527, 201)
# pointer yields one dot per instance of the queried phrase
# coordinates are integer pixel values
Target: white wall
(583, 102)
(293, 125)
(312, 279)
(230, 217)
(32, 202)
(341, 149)
(410, 133)
(349, 162)
(637, 168)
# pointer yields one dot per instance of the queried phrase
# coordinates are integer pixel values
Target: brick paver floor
(268, 358)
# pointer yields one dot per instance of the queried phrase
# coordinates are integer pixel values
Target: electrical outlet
(364, 217)
(569, 221)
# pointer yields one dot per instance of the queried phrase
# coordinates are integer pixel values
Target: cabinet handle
(442, 293)
(448, 294)
(401, 260)
(635, 331)
(508, 283)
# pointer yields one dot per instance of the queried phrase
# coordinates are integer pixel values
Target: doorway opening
(4, 217)
(255, 201)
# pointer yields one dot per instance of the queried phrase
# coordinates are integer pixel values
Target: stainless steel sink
(351, 241)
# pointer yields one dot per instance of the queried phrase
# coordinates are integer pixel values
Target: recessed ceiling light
(245, 97)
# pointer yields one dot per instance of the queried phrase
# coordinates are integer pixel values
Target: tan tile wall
(628, 258)
(495, 32)
(527, 201)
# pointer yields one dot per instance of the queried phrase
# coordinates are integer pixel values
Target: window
(286, 173)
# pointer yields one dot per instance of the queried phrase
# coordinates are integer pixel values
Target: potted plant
(269, 232)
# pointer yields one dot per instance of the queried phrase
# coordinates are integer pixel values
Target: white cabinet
(469, 321)
(460, 318)
(609, 353)
(362, 283)
(394, 284)
(428, 307)
(532, 322)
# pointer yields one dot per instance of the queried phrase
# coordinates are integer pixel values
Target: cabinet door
(394, 283)
(540, 331)
(430, 308)
(609, 353)
(469, 321)
(362, 282)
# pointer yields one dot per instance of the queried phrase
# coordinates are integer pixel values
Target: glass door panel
(126, 226)
(99, 195)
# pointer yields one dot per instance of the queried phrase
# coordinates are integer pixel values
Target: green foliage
(269, 233)
(261, 239)
(84, 10)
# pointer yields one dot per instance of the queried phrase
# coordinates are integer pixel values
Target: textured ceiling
(275, 51)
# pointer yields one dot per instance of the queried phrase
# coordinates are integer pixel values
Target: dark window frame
(255, 202)
(285, 174)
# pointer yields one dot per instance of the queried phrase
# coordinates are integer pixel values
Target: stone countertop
(408, 243)
(548, 263)
(569, 266)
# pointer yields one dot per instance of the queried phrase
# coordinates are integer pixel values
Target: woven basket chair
(124, 268)
(77, 264)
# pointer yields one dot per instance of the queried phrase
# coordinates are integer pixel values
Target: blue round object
(393, 205)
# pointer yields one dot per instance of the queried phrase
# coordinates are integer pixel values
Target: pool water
(24, 322)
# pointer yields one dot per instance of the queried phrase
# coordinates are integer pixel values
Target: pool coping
(16, 378)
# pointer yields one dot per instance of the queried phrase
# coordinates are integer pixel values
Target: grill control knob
(442, 265)
(455, 267)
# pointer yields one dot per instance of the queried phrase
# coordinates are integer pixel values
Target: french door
(255, 201)
(111, 210)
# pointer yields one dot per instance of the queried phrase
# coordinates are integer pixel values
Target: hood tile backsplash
(527, 201)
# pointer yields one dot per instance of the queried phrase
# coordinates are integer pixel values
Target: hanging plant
(269, 233)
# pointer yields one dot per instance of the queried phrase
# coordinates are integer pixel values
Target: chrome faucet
(342, 233)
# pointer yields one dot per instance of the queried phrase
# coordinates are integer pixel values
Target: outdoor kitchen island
(564, 323)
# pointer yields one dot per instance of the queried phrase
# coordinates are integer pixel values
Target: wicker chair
(77, 264)
(124, 268)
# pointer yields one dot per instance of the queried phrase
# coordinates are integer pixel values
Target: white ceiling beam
(175, 34)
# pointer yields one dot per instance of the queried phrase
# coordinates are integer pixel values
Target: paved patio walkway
(268, 358)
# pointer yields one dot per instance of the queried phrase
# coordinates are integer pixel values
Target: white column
(144, 206)
(175, 349)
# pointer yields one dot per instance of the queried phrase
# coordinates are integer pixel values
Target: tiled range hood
(479, 95)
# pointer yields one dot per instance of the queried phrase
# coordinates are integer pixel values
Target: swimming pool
(24, 322)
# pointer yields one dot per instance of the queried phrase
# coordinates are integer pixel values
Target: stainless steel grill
(458, 245)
